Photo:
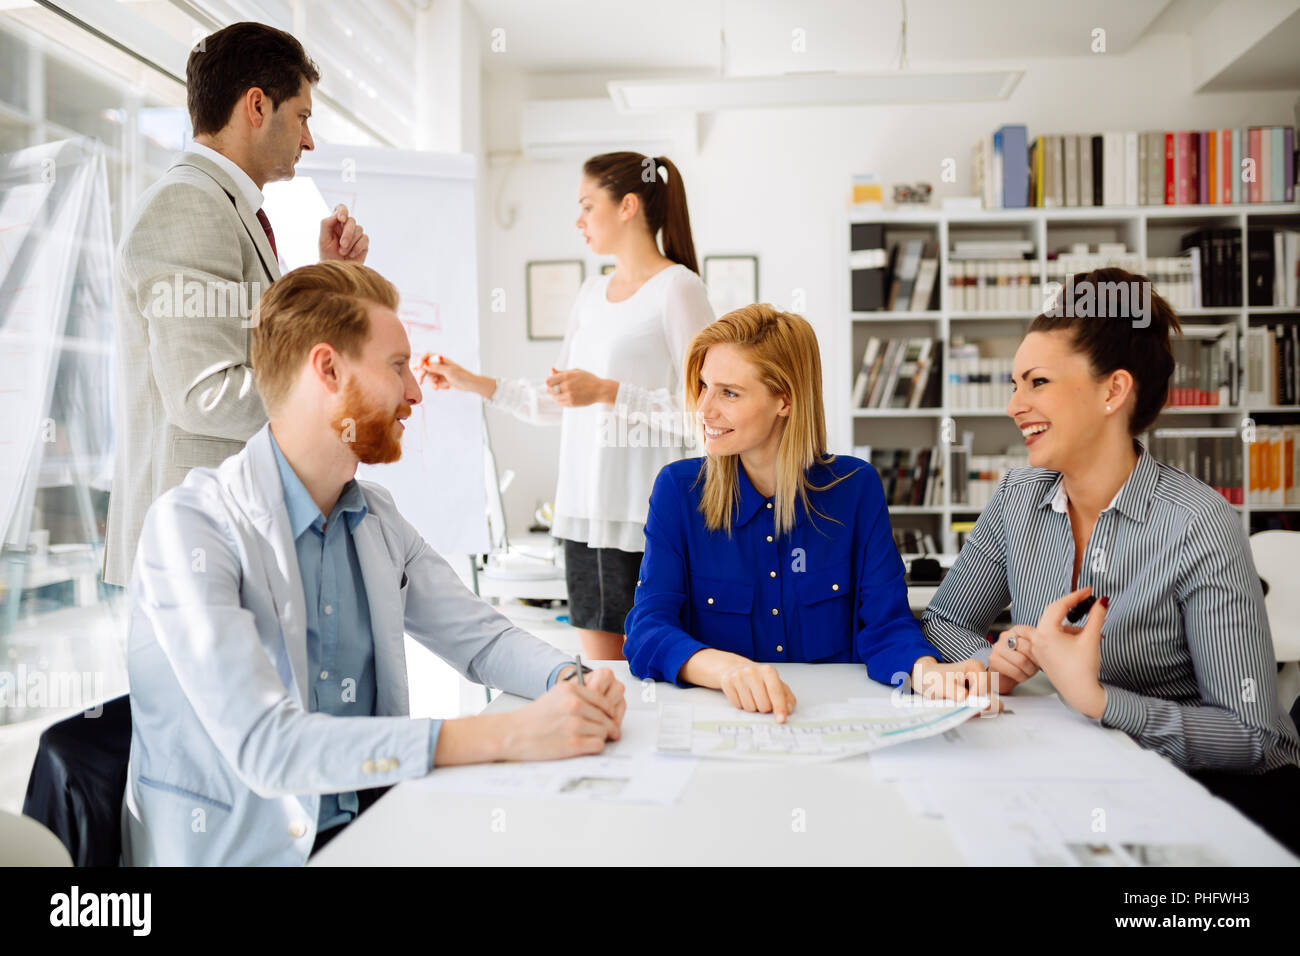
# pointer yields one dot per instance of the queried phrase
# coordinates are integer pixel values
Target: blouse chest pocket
(825, 612)
(722, 614)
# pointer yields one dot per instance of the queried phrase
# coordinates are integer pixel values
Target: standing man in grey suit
(195, 256)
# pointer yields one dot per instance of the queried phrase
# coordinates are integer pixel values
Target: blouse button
(835, 587)
(710, 600)
(774, 612)
(769, 506)
(771, 574)
(769, 537)
(779, 648)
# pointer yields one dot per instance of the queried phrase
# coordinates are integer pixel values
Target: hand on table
(758, 688)
(935, 680)
(569, 720)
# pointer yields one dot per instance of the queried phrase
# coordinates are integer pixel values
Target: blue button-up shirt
(830, 590)
(340, 642)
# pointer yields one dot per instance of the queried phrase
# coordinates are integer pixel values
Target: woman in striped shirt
(1187, 666)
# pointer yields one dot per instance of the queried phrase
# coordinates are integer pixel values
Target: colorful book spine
(1171, 170)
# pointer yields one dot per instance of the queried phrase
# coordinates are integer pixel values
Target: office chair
(1277, 555)
(78, 783)
(24, 842)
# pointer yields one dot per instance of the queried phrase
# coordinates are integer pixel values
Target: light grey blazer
(184, 392)
(227, 763)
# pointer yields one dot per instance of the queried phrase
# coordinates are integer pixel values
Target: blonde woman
(768, 549)
(616, 390)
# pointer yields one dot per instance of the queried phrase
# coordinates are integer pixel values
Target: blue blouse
(827, 591)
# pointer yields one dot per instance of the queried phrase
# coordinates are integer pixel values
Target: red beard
(368, 429)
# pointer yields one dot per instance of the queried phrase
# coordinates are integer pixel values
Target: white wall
(774, 182)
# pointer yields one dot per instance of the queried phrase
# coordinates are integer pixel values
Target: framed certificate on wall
(552, 286)
(732, 282)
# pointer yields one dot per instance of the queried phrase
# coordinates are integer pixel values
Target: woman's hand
(575, 388)
(758, 688)
(441, 372)
(937, 680)
(1013, 665)
(1071, 656)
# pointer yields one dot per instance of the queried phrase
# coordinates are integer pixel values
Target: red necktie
(270, 236)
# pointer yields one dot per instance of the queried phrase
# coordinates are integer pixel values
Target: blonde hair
(325, 302)
(783, 348)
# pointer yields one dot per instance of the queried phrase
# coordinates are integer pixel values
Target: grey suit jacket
(228, 761)
(192, 263)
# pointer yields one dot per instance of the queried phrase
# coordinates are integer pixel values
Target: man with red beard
(269, 599)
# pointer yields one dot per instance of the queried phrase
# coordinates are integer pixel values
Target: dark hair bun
(1119, 321)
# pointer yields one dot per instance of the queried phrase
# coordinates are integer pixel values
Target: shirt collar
(247, 188)
(751, 502)
(303, 512)
(1133, 497)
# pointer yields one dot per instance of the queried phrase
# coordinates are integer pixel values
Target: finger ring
(555, 389)
(1011, 642)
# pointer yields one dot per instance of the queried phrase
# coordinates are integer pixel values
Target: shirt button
(775, 612)
(329, 608)
(771, 574)
(297, 829)
(779, 648)
(769, 537)
(769, 506)
(710, 600)
(835, 587)
(324, 675)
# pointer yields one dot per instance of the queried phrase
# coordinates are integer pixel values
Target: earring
(1107, 408)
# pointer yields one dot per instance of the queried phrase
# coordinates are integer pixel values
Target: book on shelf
(911, 477)
(976, 383)
(1000, 173)
(1205, 367)
(1271, 366)
(976, 477)
(1272, 266)
(1275, 466)
(1151, 167)
(1219, 254)
(1210, 455)
(910, 541)
(898, 373)
(889, 276)
(990, 285)
(868, 266)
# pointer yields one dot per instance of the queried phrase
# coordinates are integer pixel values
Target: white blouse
(609, 457)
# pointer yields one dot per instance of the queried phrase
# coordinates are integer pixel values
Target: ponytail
(678, 244)
(663, 197)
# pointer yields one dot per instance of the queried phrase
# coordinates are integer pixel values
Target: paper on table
(627, 771)
(818, 732)
(1166, 820)
(1039, 738)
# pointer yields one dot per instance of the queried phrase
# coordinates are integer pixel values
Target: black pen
(1077, 612)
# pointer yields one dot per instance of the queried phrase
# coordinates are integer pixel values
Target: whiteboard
(418, 210)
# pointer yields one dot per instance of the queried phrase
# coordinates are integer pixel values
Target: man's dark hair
(225, 65)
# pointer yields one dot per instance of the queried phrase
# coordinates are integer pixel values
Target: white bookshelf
(1148, 232)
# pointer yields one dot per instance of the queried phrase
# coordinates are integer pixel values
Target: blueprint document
(818, 732)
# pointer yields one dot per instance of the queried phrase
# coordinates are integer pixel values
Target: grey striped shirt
(1187, 659)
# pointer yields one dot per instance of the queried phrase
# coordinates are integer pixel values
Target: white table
(731, 812)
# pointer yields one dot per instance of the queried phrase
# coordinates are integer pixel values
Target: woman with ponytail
(616, 390)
